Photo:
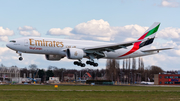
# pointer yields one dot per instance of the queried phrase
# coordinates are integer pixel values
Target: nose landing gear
(20, 58)
(20, 55)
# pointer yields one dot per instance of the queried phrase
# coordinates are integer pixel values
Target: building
(167, 79)
(87, 76)
(69, 77)
(54, 80)
(11, 74)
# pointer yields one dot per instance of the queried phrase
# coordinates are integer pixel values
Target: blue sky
(43, 15)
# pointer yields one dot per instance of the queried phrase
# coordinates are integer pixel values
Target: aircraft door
(25, 42)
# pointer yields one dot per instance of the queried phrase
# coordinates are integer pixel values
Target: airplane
(56, 49)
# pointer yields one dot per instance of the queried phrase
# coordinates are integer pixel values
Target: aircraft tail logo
(147, 38)
(149, 35)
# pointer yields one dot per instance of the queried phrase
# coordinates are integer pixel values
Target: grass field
(87, 93)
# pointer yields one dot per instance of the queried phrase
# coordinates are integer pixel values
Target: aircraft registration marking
(70, 46)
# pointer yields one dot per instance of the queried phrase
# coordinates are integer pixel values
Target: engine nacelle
(74, 53)
(53, 57)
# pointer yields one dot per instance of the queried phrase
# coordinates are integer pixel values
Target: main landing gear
(92, 63)
(79, 63)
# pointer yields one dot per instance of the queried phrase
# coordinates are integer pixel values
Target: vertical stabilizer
(147, 38)
(149, 35)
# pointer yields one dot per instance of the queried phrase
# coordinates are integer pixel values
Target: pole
(62, 77)
(80, 75)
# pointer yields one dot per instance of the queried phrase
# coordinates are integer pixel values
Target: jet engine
(74, 53)
(53, 57)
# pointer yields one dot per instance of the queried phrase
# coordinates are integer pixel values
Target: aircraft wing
(152, 50)
(110, 47)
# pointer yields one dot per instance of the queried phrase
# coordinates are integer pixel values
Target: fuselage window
(13, 41)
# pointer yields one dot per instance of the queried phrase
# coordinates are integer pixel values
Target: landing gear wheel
(76, 62)
(79, 63)
(95, 64)
(83, 65)
(20, 58)
(88, 62)
(91, 63)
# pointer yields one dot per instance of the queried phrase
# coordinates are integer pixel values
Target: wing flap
(152, 50)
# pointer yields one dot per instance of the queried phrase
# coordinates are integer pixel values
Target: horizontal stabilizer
(151, 50)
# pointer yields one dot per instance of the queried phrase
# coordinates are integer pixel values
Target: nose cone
(8, 45)
(12, 44)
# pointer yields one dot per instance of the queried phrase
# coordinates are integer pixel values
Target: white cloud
(26, 28)
(170, 3)
(177, 52)
(102, 38)
(129, 39)
(134, 30)
(6, 32)
(94, 27)
(7, 55)
(4, 38)
(163, 60)
(3, 50)
(65, 59)
(169, 33)
(170, 44)
(28, 31)
(99, 30)
(58, 31)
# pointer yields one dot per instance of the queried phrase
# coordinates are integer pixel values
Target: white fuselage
(52, 46)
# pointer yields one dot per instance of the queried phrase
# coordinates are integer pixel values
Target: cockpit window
(13, 41)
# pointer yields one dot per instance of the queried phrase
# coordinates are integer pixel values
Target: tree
(112, 66)
(133, 63)
(142, 64)
(123, 65)
(49, 73)
(129, 65)
(134, 69)
(24, 70)
(33, 67)
(41, 74)
(141, 69)
(139, 63)
(154, 70)
(52, 68)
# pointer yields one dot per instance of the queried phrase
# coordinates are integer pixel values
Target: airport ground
(88, 93)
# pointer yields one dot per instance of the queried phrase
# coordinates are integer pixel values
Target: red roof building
(167, 79)
(87, 76)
